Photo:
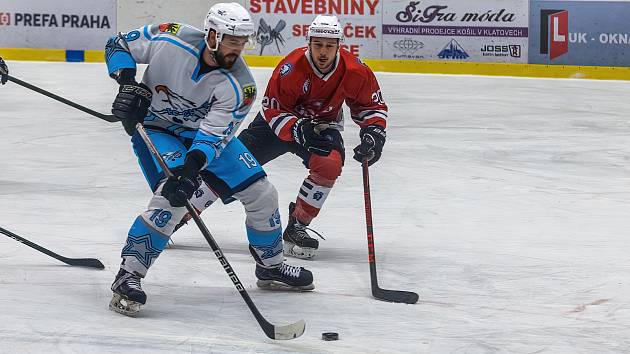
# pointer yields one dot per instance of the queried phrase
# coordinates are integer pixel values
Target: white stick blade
(291, 331)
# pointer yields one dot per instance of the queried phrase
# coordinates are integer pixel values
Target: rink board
(401, 66)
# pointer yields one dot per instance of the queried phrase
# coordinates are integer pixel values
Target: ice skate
(284, 277)
(297, 242)
(128, 294)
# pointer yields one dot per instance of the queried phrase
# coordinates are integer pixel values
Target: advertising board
(594, 33)
(476, 31)
(70, 24)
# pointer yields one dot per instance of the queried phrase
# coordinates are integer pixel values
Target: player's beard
(226, 62)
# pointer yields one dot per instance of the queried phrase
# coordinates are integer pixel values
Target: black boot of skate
(284, 277)
(297, 242)
(128, 294)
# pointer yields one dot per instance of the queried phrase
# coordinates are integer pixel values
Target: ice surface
(505, 202)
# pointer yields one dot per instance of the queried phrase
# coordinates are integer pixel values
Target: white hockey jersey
(207, 107)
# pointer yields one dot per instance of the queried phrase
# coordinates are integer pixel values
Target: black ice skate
(284, 277)
(297, 242)
(128, 294)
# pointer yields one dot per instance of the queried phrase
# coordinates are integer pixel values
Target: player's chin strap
(106, 117)
(216, 42)
(251, 44)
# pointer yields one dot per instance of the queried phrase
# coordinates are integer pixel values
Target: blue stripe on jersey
(238, 96)
(120, 60)
(207, 144)
(181, 131)
(195, 75)
(168, 39)
(174, 128)
(117, 56)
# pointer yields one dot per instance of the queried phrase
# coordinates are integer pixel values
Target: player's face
(230, 49)
(323, 51)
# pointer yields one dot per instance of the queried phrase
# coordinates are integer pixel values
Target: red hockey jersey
(298, 90)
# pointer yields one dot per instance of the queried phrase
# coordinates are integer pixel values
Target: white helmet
(325, 27)
(229, 18)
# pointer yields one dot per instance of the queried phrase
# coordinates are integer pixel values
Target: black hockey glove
(131, 105)
(185, 180)
(4, 72)
(306, 132)
(372, 141)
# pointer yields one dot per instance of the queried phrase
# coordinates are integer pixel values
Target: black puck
(330, 336)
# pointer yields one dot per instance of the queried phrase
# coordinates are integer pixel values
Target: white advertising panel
(282, 24)
(68, 24)
(461, 30)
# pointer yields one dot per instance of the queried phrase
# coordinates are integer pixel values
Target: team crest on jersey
(285, 69)
(306, 85)
(171, 28)
(249, 94)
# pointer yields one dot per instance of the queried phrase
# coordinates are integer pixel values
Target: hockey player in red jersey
(302, 114)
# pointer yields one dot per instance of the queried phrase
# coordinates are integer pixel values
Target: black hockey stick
(406, 297)
(81, 262)
(105, 117)
(274, 332)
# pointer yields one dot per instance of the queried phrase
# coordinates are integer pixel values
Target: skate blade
(280, 286)
(293, 250)
(124, 306)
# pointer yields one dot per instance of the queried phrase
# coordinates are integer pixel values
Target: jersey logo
(171, 28)
(306, 86)
(249, 94)
(177, 108)
(285, 69)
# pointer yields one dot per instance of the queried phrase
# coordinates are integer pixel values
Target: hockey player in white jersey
(193, 96)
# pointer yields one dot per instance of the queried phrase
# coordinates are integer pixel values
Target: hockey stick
(81, 262)
(105, 117)
(406, 297)
(274, 332)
